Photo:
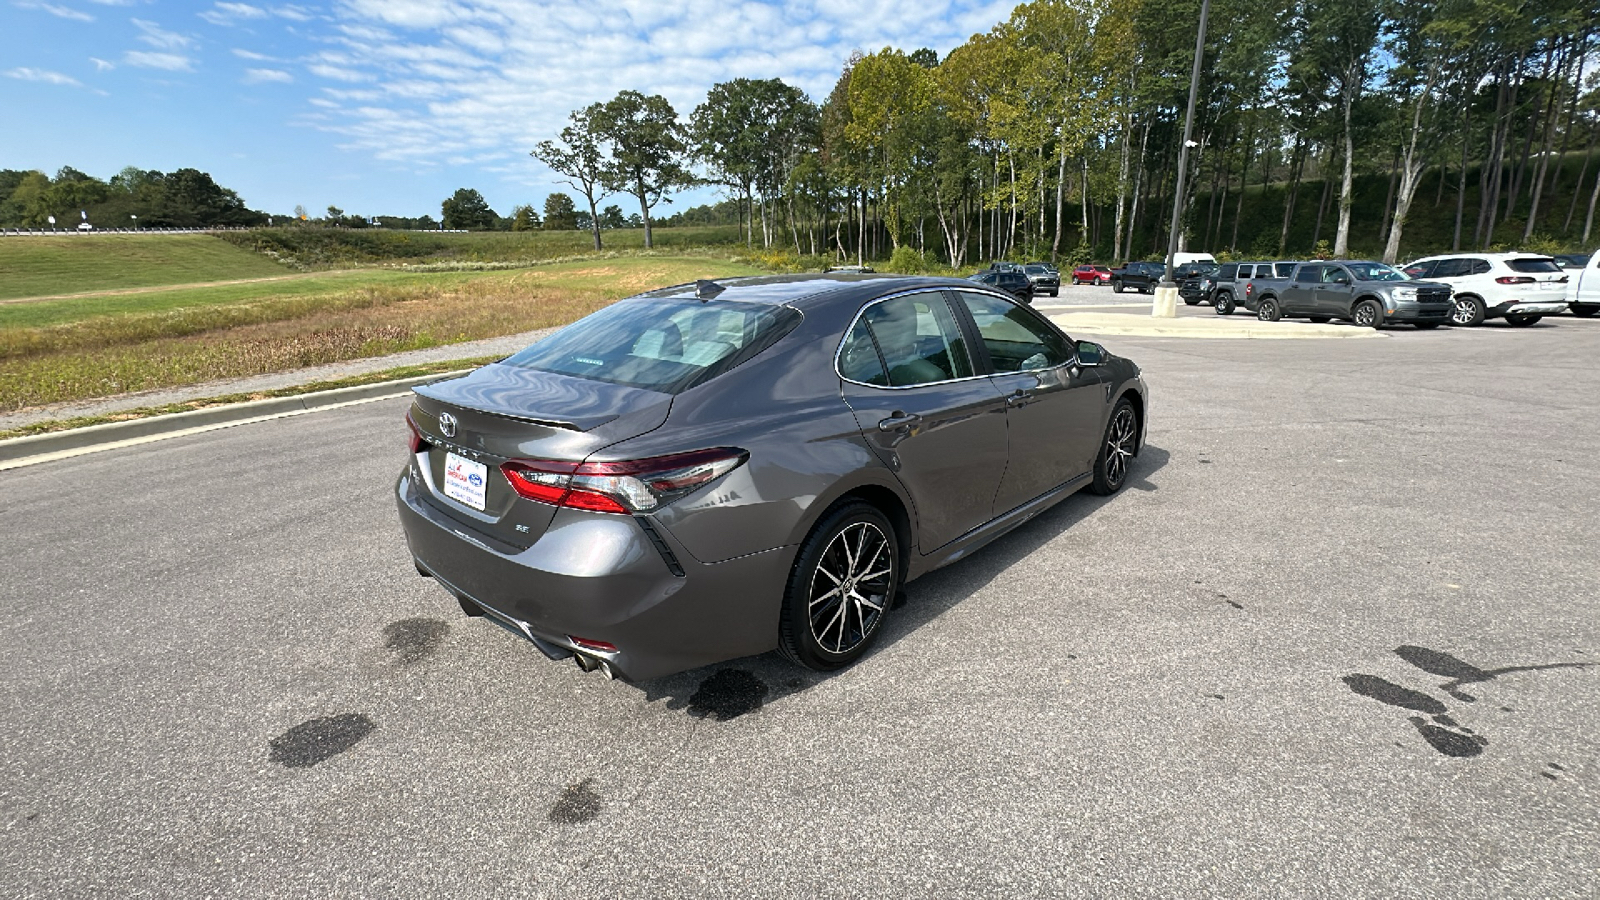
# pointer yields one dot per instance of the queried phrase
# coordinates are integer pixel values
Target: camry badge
(447, 425)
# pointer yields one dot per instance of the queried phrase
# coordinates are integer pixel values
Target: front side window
(1375, 272)
(1231, 271)
(1421, 270)
(918, 339)
(1016, 340)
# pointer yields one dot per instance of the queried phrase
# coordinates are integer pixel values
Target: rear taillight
(417, 441)
(1514, 279)
(626, 487)
(1249, 288)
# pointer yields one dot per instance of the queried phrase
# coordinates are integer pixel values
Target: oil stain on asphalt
(1443, 733)
(319, 740)
(728, 694)
(577, 804)
(413, 640)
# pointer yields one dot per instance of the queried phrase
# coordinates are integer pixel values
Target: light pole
(1166, 298)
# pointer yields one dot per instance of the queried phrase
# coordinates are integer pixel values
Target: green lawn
(56, 350)
(72, 263)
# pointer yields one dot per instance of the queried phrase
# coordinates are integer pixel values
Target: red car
(1091, 275)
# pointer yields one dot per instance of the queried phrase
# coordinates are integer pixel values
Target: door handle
(899, 421)
(1019, 398)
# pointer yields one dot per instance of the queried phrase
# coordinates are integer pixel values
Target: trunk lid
(470, 425)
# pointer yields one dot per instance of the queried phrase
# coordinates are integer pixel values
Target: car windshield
(1037, 270)
(659, 345)
(1376, 272)
(1533, 265)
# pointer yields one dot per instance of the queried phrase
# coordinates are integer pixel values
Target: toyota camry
(722, 469)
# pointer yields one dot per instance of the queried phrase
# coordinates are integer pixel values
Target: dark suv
(1013, 282)
(1046, 279)
(1140, 276)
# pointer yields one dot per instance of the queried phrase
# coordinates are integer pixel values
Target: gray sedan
(722, 469)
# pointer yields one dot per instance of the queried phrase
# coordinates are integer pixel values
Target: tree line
(134, 197)
(1056, 133)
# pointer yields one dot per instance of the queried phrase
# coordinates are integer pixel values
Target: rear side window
(1533, 266)
(1307, 275)
(1283, 269)
(660, 345)
(918, 340)
(1479, 267)
(859, 359)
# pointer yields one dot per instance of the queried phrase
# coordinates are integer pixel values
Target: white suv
(1522, 287)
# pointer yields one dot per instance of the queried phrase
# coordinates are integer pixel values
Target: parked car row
(1021, 281)
(1459, 289)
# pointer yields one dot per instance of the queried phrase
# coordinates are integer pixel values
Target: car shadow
(728, 690)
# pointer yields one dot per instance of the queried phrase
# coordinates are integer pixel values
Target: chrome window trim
(838, 352)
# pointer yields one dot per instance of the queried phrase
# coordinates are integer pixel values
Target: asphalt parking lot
(1336, 638)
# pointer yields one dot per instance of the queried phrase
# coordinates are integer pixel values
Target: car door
(937, 424)
(1054, 407)
(1335, 293)
(1299, 295)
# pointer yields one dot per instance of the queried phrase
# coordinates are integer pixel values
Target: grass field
(59, 350)
(35, 266)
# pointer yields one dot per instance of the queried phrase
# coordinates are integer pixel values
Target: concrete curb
(37, 448)
(1191, 327)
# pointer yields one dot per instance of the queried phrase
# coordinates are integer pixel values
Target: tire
(815, 628)
(1116, 286)
(1584, 312)
(1318, 320)
(1117, 449)
(1468, 311)
(1268, 311)
(1367, 314)
(1056, 292)
(1224, 304)
(1426, 326)
(1522, 321)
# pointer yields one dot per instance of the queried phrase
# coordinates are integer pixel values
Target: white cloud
(259, 76)
(101, 65)
(155, 36)
(64, 12)
(115, 2)
(171, 62)
(292, 13)
(43, 75)
(252, 55)
(226, 14)
(338, 74)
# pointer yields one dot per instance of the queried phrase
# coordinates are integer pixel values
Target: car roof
(1473, 254)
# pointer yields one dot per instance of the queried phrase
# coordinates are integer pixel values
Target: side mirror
(1341, 279)
(1090, 353)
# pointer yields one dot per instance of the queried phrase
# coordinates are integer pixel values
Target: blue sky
(388, 106)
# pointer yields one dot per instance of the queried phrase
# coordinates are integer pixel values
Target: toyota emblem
(447, 425)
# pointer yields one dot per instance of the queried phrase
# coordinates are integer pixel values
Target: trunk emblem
(447, 425)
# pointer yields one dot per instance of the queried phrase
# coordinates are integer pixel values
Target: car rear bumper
(1539, 307)
(604, 578)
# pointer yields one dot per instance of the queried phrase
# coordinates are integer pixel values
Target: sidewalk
(1192, 322)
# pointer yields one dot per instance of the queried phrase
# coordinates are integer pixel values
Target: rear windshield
(1533, 265)
(660, 345)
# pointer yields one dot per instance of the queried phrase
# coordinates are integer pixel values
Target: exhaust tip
(585, 662)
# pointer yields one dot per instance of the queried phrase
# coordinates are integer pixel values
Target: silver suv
(1522, 288)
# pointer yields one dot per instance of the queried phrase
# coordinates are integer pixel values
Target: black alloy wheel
(1367, 314)
(1268, 311)
(843, 583)
(1467, 311)
(1224, 304)
(1116, 286)
(1116, 450)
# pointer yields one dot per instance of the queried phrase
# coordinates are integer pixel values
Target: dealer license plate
(465, 481)
(1551, 285)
